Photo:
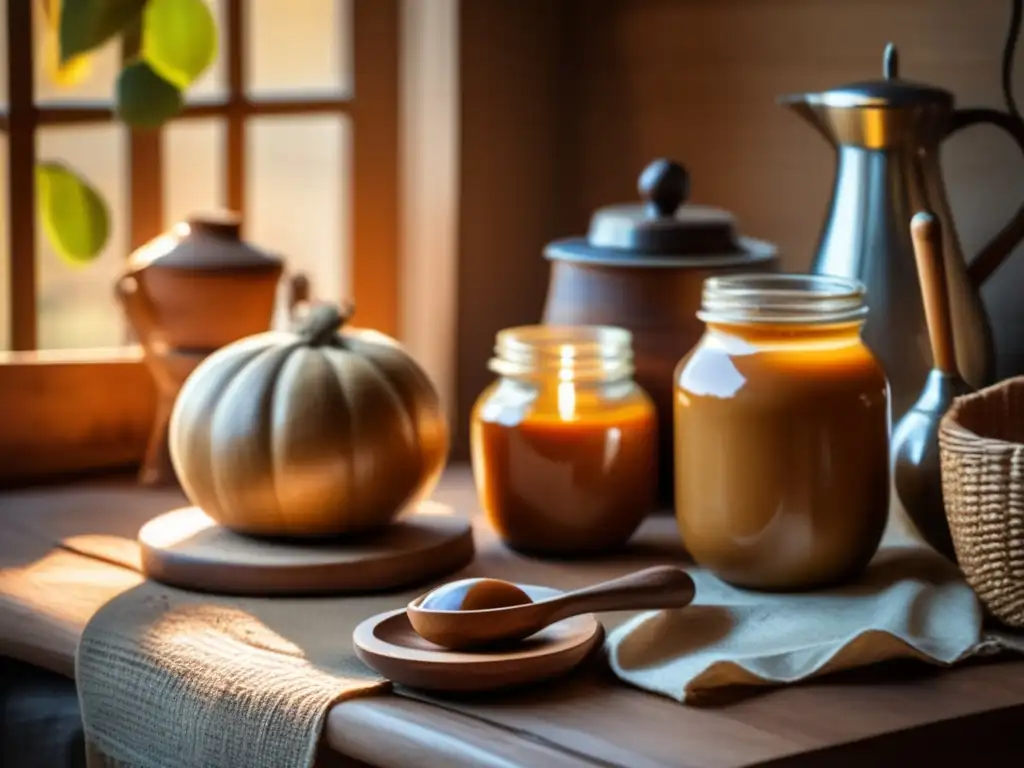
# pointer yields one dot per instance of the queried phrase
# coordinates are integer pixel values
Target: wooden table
(889, 715)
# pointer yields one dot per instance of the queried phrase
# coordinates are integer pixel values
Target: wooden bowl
(388, 644)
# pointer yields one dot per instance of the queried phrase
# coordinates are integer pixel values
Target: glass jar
(782, 433)
(564, 441)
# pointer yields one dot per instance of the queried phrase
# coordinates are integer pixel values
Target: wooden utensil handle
(663, 586)
(926, 233)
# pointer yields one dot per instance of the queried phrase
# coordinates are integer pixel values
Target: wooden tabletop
(49, 589)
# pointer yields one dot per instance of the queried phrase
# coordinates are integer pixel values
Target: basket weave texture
(981, 441)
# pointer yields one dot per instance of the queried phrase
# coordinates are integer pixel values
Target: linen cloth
(173, 678)
(169, 678)
(910, 603)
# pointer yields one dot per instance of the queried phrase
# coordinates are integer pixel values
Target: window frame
(65, 412)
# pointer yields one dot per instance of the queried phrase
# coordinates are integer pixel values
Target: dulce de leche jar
(782, 433)
(564, 441)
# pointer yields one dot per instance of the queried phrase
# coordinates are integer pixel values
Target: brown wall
(511, 116)
(563, 104)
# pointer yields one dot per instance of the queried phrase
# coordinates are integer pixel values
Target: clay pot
(187, 293)
(642, 267)
(199, 286)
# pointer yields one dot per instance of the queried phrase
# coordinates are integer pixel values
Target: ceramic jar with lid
(199, 286)
(186, 293)
(641, 267)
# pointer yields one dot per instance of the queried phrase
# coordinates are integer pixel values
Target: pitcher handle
(1000, 246)
(143, 321)
(136, 307)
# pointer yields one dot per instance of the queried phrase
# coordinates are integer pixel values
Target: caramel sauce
(474, 595)
(567, 487)
(782, 470)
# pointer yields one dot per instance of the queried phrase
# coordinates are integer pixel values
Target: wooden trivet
(186, 548)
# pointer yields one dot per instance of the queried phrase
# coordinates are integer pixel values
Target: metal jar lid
(663, 230)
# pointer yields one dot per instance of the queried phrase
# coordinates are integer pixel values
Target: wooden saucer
(388, 644)
(186, 548)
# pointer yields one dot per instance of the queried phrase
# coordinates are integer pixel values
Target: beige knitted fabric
(169, 678)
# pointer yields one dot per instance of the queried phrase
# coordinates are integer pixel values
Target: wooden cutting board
(186, 548)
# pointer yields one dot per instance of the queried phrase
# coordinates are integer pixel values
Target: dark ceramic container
(641, 267)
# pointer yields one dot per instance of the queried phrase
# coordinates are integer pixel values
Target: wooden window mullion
(53, 114)
(21, 198)
(234, 167)
(374, 212)
(145, 167)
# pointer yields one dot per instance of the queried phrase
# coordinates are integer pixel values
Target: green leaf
(179, 39)
(87, 24)
(75, 218)
(144, 99)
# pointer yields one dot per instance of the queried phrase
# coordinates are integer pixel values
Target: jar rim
(578, 352)
(783, 298)
(569, 339)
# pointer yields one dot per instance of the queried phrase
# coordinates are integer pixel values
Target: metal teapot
(887, 135)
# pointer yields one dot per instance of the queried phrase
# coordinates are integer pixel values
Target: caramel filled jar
(781, 433)
(564, 441)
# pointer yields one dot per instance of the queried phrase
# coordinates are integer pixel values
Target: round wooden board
(186, 548)
(388, 644)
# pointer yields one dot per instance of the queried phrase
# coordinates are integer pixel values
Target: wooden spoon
(917, 472)
(476, 612)
(926, 234)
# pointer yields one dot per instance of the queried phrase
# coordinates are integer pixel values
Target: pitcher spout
(810, 109)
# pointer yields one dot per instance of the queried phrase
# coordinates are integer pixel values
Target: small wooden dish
(388, 644)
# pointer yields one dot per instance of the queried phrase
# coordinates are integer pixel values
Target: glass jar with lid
(782, 433)
(564, 442)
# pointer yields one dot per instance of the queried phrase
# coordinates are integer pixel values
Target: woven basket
(981, 440)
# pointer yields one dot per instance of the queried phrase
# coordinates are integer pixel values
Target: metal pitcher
(887, 135)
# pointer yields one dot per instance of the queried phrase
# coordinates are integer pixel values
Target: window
(295, 126)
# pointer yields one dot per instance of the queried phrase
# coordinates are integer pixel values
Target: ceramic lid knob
(662, 225)
(663, 229)
(664, 186)
(226, 225)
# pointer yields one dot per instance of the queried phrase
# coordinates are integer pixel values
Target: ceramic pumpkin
(322, 431)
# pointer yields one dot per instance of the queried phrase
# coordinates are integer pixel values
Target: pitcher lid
(663, 230)
(208, 241)
(890, 91)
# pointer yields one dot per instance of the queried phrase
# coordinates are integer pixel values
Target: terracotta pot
(187, 293)
(641, 267)
(199, 286)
